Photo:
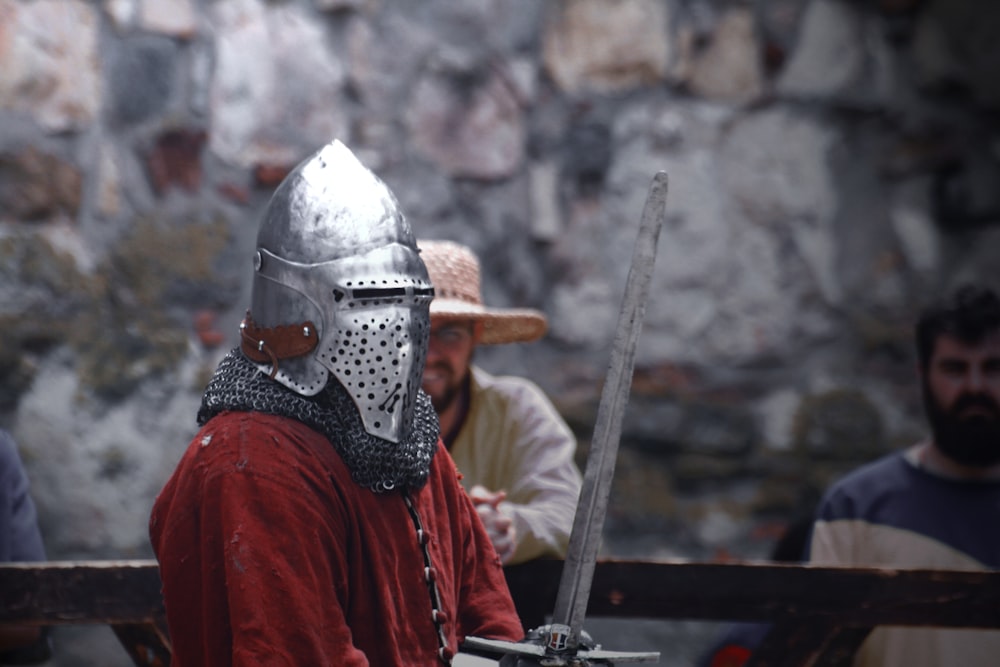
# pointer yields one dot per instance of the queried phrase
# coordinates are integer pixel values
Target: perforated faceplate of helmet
(334, 249)
(374, 332)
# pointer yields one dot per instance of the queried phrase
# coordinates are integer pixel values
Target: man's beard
(443, 400)
(455, 376)
(970, 441)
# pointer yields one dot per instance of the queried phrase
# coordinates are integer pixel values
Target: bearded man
(935, 505)
(316, 518)
(513, 449)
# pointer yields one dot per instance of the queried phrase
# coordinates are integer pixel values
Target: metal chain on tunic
(374, 463)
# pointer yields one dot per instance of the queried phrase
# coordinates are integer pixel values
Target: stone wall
(832, 164)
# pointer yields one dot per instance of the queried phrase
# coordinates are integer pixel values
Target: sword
(562, 645)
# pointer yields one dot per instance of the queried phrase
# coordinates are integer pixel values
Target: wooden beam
(129, 592)
(69, 592)
(770, 592)
(820, 614)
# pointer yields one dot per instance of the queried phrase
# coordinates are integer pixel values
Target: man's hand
(499, 526)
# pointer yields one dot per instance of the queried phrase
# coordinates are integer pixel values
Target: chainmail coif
(374, 463)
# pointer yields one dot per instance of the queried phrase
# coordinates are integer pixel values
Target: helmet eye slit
(378, 292)
(363, 296)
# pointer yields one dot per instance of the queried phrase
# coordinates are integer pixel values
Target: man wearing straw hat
(513, 449)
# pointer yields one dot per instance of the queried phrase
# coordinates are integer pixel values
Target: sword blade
(585, 539)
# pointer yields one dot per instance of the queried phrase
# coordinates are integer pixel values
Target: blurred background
(833, 164)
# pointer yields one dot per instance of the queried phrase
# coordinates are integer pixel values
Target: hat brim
(500, 325)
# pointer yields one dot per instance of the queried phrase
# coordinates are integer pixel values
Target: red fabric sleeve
(269, 565)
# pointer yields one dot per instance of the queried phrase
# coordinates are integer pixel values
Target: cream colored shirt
(514, 440)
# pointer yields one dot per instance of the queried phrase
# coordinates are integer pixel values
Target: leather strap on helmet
(272, 344)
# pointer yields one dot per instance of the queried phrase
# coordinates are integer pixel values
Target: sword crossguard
(535, 650)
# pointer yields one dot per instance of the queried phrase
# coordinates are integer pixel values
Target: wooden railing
(820, 615)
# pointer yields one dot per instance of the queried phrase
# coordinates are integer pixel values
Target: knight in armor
(316, 518)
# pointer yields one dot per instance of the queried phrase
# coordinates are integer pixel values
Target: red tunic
(270, 554)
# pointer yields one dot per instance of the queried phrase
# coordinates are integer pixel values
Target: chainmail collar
(376, 464)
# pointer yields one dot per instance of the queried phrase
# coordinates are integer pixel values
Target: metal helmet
(339, 288)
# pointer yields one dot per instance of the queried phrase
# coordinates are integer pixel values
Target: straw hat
(454, 272)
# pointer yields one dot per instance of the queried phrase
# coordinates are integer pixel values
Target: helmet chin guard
(334, 249)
